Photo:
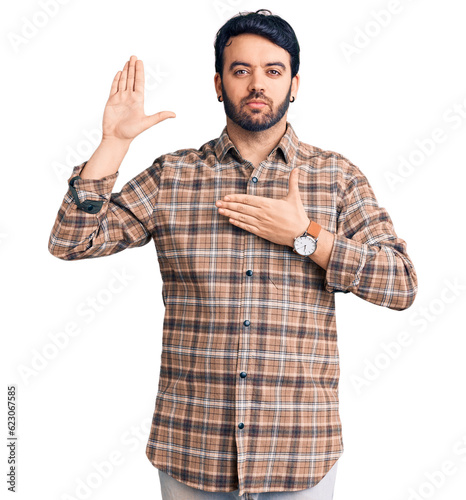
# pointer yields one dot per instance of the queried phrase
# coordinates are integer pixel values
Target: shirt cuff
(347, 260)
(90, 194)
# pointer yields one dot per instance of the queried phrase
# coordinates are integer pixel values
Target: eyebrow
(241, 63)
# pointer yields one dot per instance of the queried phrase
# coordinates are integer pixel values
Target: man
(255, 232)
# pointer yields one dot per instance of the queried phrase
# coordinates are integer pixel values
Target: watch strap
(314, 229)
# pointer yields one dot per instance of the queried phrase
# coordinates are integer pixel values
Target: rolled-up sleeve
(368, 258)
(94, 222)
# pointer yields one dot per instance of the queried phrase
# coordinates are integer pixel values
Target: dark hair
(263, 23)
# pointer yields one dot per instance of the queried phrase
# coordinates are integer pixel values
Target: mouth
(256, 104)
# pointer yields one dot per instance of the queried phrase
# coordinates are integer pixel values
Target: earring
(219, 98)
(293, 98)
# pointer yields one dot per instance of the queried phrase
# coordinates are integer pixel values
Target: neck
(255, 146)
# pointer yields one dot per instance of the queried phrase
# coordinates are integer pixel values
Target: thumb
(293, 185)
(151, 120)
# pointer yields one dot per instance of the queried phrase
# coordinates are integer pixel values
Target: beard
(261, 119)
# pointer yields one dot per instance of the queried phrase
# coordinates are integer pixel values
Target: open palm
(124, 116)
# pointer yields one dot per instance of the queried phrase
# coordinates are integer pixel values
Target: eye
(276, 72)
(237, 71)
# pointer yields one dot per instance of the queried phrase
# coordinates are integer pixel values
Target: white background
(403, 414)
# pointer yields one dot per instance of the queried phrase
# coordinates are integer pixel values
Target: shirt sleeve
(94, 222)
(368, 258)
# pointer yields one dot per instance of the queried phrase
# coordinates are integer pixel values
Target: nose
(257, 83)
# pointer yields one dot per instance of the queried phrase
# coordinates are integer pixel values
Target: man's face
(256, 84)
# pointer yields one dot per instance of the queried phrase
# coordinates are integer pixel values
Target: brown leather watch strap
(314, 229)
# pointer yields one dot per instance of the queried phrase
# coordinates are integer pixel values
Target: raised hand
(124, 116)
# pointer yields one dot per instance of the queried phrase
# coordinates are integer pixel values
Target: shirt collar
(288, 145)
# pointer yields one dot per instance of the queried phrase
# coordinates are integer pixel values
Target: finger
(242, 208)
(139, 78)
(114, 88)
(247, 227)
(252, 200)
(130, 81)
(123, 76)
(243, 215)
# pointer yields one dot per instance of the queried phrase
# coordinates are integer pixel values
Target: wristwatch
(306, 243)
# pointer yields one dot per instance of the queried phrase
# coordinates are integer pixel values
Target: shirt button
(243, 374)
(247, 323)
(254, 179)
(241, 425)
(249, 272)
(90, 207)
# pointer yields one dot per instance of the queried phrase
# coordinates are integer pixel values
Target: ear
(295, 85)
(218, 83)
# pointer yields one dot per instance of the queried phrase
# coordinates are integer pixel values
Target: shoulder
(334, 168)
(327, 159)
(186, 157)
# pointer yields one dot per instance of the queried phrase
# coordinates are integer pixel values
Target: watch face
(305, 245)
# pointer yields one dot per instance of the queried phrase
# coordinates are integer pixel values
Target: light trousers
(172, 489)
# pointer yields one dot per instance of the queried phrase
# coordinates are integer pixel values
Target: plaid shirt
(248, 386)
